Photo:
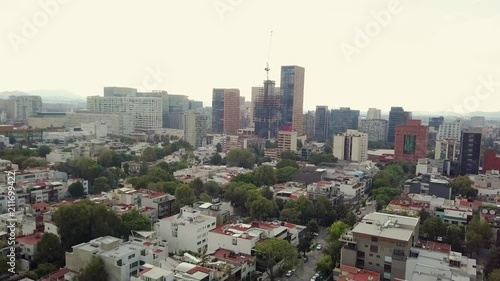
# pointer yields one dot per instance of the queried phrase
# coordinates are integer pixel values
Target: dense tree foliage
(276, 254)
(241, 158)
(76, 190)
(463, 186)
(49, 250)
(134, 221)
(184, 195)
(265, 175)
(318, 158)
(95, 271)
(287, 163)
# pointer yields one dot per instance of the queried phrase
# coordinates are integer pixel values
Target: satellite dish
(484, 211)
(492, 212)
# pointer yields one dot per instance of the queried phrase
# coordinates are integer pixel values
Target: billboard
(409, 144)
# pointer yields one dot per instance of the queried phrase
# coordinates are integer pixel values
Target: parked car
(288, 273)
(319, 247)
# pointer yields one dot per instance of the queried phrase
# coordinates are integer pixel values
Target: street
(308, 269)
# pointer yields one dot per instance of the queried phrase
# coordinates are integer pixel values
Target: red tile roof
(356, 274)
(30, 239)
(145, 271)
(56, 275)
(198, 269)
(227, 255)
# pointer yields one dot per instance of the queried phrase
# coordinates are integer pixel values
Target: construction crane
(269, 56)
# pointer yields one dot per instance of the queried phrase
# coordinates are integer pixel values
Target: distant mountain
(48, 96)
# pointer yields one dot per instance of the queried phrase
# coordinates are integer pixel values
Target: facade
(187, 231)
(146, 111)
(225, 111)
(321, 127)
(373, 113)
(397, 116)
(411, 141)
(470, 151)
(266, 110)
(26, 106)
(375, 128)
(382, 243)
(195, 128)
(343, 119)
(351, 146)
(165, 100)
(292, 98)
(450, 130)
(118, 124)
(287, 141)
(477, 121)
(435, 122)
(119, 92)
(177, 105)
(45, 120)
(194, 104)
(309, 119)
(491, 161)
(427, 185)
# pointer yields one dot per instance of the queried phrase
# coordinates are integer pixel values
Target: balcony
(399, 257)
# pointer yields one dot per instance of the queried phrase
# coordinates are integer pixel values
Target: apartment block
(375, 128)
(187, 231)
(46, 120)
(25, 106)
(450, 130)
(321, 124)
(343, 119)
(287, 141)
(308, 124)
(373, 113)
(351, 146)
(429, 185)
(267, 115)
(382, 243)
(397, 116)
(470, 151)
(195, 128)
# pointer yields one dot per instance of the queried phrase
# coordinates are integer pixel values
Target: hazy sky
(427, 57)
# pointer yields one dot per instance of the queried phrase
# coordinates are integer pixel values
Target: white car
(369, 203)
(288, 273)
(319, 247)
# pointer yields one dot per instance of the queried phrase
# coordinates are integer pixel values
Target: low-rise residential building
(158, 200)
(187, 231)
(350, 273)
(428, 185)
(27, 247)
(326, 189)
(241, 266)
(153, 273)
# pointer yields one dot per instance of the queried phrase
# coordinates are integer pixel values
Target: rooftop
(387, 225)
(355, 274)
(32, 239)
(227, 255)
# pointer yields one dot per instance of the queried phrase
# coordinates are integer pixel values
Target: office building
(477, 121)
(195, 128)
(118, 124)
(447, 150)
(351, 146)
(309, 119)
(381, 242)
(321, 126)
(120, 92)
(470, 151)
(20, 108)
(343, 119)
(373, 113)
(177, 105)
(266, 110)
(165, 99)
(287, 141)
(47, 120)
(450, 130)
(194, 104)
(427, 184)
(225, 111)
(397, 116)
(411, 141)
(491, 161)
(435, 122)
(292, 98)
(375, 128)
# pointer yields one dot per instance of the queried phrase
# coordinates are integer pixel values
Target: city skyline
(409, 62)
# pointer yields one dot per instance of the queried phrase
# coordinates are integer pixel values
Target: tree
(265, 176)
(240, 158)
(106, 159)
(216, 159)
(336, 230)
(494, 275)
(285, 174)
(318, 158)
(49, 250)
(170, 187)
(304, 245)
(455, 236)
(134, 221)
(45, 269)
(325, 265)
(158, 172)
(350, 219)
(212, 189)
(184, 196)
(478, 230)
(289, 155)
(76, 190)
(149, 155)
(244, 178)
(473, 242)
(95, 271)
(493, 261)
(290, 215)
(33, 162)
(463, 185)
(276, 254)
(267, 193)
(197, 186)
(100, 185)
(287, 163)
(126, 167)
(323, 211)
(434, 227)
(423, 214)
(43, 150)
(260, 207)
(384, 195)
(313, 226)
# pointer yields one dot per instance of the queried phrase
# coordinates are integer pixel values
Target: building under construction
(266, 113)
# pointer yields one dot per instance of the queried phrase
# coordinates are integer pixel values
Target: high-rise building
(225, 111)
(450, 130)
(309, 119)
(165, 100)
(435, 122)
(397, 116)
(343, 119)
(292, 97)
(266, 110)
(146, 111)
(477, 121)
(119, 92)
(195, 104)
(321, 127)
(375, 128)
(351, 146)
(470, 151)
(118, 124)
(177, 105)
(411, 141)
(373, 113)
(287, 141)
(195, 128)
(26, 106)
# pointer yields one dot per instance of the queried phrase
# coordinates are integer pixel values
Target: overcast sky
(429, 55)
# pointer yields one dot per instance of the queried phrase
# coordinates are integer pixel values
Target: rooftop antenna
(269, 56)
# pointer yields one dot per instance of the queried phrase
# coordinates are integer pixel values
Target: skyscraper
(321, 124)
(450, 130)
(470, 150)
(351, 146)
(195, 128)
(376, 129)
(292, 97)
(226, 111)
(177, 105)
(266, 110)
(373, 113)
(309, 119)
(397, 116)
(435, 122)
(343, 119)
(411, 141)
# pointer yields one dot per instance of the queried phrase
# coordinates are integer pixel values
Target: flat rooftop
(387, 226)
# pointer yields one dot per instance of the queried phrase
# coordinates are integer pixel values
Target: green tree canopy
(101, 184)
(325, 265)
(265, 175)
(289, 155)
(44, 269)
(212, 189)
(241, 158)
(216, 159)
(134, 221)
(434, 227)
(149, 155)
(105, 159)
(184, 195)
(272, 252)
(287, 163)
(463, 185)
(197, 186)
(76, 190)
(285, 174)
(43, 150)
(95, 271)
(49, 250)
(318, 158)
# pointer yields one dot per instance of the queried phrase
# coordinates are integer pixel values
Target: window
(235, 241)
(371, 255)
(134, 264)
(400, 244)
(119, 263)
(378, 256)
(373, 248)
(131, 256)
(374, 239)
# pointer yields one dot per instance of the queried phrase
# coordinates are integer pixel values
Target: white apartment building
(187, 231)
(373, 113)
(29, 175)
(375, 128)
(26, 106)
(118, 123)
(122, 260)
(450, 130)
(195, 128)
(287, 141)
(146, 111)
(153, 273)
(59, 156)
(351, 146)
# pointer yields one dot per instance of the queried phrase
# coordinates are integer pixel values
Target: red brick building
(411, 140)
(491, 161)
